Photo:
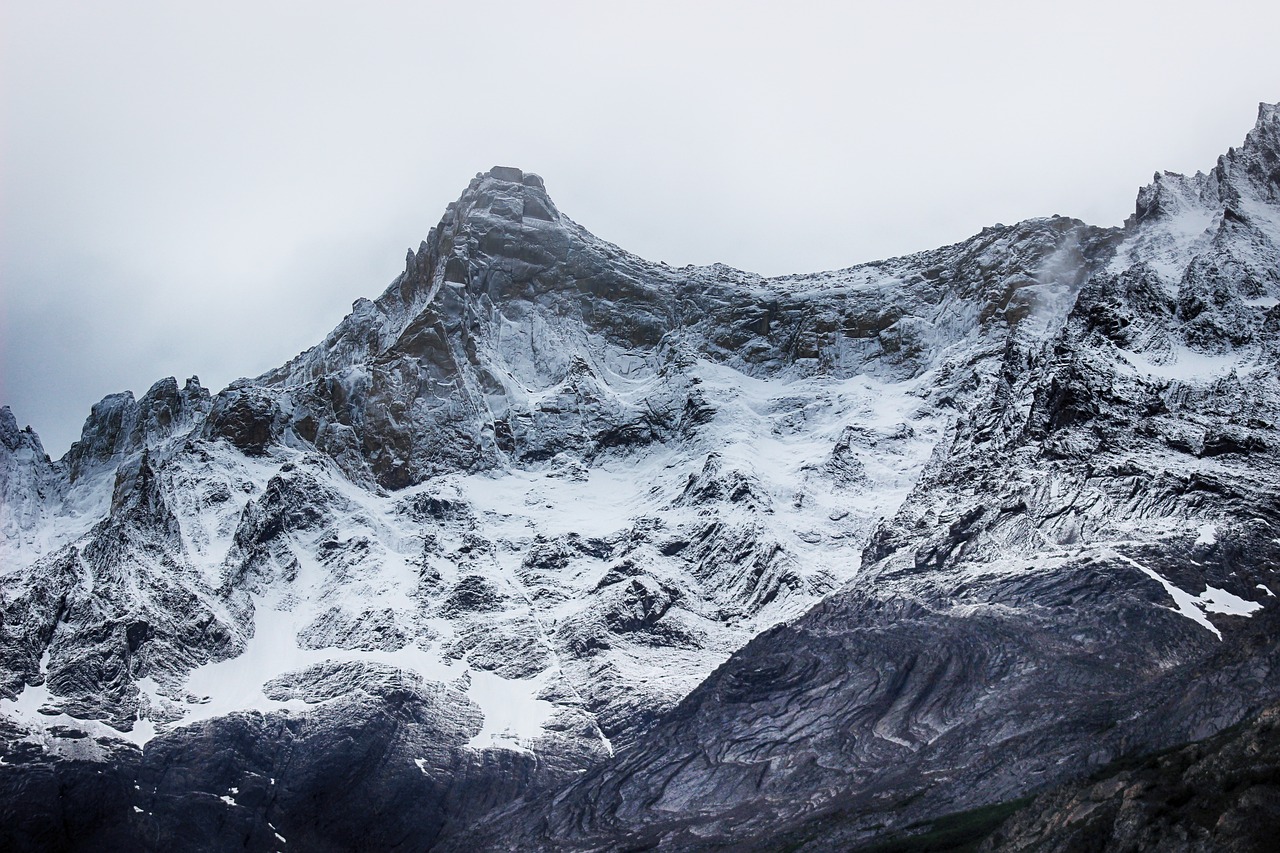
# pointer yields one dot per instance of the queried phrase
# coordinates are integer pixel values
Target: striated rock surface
(550, 547)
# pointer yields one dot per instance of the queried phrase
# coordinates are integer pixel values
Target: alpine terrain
(550, 547)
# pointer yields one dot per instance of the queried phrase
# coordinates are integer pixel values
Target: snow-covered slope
(511, 525)
(570, 480)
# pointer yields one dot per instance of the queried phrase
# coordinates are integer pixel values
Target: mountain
(551, 547)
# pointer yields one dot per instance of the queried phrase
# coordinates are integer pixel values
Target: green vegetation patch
(961, 832)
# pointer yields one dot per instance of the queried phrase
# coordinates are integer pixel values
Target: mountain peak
(1264, 139)
(1268, 114)
(512, 175)
(1253, 169)
(1250, 170)
(506, 192)
(14, 438)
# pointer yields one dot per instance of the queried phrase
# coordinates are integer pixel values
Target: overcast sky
(206, 192)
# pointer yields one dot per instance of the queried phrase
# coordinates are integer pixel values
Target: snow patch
(1212, 600)
(1217, 600)
(1182, 364)
(26, 711)
(512, 713)
(1208, 535)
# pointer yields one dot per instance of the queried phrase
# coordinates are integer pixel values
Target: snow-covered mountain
(553, 547)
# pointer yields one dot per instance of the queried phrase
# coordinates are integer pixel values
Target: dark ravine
(553, 548)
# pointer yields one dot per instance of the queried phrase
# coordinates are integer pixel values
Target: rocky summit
(550, 547)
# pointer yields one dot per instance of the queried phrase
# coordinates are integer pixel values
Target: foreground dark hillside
(1221, 794)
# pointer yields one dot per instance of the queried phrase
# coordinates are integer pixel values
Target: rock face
(550, 547)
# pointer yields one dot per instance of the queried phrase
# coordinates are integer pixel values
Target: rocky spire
(1250, 171)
